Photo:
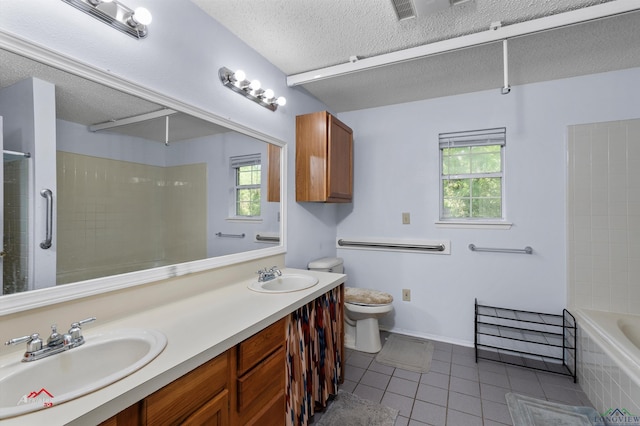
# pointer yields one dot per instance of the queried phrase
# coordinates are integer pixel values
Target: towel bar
(221, 235)
(526, 250)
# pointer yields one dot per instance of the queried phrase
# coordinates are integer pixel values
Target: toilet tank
(327, 264)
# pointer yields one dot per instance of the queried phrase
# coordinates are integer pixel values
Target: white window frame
(484, 137)
(235, 162)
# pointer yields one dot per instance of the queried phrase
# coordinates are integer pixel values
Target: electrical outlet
(406, 295)
(406, 218)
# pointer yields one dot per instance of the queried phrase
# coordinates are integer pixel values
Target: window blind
(244, 160)
(497, 136)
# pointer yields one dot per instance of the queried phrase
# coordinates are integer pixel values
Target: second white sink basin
(284, 284)
(102, 360)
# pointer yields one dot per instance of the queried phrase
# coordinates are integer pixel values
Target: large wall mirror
(135, 184)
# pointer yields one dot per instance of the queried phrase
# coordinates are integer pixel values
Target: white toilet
(362, 308)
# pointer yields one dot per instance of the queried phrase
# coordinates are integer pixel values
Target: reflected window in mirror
(247, 181)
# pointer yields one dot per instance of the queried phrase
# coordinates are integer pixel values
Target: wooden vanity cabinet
(260, 374)
(200, 397)
(324, 159)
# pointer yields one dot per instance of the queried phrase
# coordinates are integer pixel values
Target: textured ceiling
(84, 102)
(304, 35)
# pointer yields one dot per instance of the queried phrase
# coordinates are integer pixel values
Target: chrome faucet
(268, 274)
(56, 342)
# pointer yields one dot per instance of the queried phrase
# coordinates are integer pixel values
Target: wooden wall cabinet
(324, 159)
(273, 173)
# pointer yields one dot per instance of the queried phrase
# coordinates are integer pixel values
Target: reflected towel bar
(48, 195)
(267, 239)
(439, 247)
(526, 250)
(221, 235)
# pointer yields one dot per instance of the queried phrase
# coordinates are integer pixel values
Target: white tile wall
(118, 216)
(604, 216)
(604, 246)
(606, 385)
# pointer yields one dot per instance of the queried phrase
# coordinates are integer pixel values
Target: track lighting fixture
(237, 81)
(114, 13)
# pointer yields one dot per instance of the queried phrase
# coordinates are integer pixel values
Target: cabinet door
(181, 398)
(273, 173)
(311, 157)
(213, 413)
(340, 162)
(128, 417)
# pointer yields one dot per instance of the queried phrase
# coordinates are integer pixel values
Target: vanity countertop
(198, 328)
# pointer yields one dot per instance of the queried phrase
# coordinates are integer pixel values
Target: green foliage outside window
(248, 179)
(472, 182)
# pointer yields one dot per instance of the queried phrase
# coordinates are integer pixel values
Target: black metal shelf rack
(535, 340)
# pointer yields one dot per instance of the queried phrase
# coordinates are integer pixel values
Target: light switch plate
(406, 218)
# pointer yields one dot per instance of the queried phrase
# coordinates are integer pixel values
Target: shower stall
(15, 238)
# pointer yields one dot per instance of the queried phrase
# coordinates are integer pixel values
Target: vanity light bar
(117, 15)
(236, 81)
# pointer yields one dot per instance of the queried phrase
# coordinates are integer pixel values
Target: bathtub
(609, 360)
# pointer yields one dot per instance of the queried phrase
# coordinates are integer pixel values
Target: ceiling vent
(404, 9)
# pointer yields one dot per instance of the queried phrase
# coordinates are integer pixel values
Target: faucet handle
(76, 328)
(275, 270)
(34, 343)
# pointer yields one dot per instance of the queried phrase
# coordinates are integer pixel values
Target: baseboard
(428, 336)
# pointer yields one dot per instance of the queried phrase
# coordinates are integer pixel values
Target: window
(248, 176)
(472, 175)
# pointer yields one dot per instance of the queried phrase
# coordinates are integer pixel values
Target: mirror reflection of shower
(15, 249)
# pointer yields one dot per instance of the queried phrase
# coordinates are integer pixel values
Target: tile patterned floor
(456, 390)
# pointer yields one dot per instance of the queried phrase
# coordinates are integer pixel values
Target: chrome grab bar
(526, 250)
(48, 195)
(439, 247)
(221, 235)
(269, 239)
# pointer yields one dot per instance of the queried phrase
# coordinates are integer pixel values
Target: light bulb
(239, 75)
(255, 85)
(282, 101)
(268, 94)
(142, 16)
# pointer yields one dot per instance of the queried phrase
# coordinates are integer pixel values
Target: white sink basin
(284, 284)
(102, 360)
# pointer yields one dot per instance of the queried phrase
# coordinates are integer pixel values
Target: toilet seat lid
(365, 296)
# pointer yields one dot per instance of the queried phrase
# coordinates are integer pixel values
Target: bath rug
(528, 411)
(349, 409)
(407, 353)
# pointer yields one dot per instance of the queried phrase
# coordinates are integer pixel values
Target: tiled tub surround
(110, 214)
(201, 314)
(603, 261)
(603, 212)
(608, 364)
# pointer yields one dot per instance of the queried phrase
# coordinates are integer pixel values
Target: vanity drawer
(179, 399)
(260, 385)
(257, 347)
(273, 414)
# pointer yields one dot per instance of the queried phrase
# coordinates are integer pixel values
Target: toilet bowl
(362, 309)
